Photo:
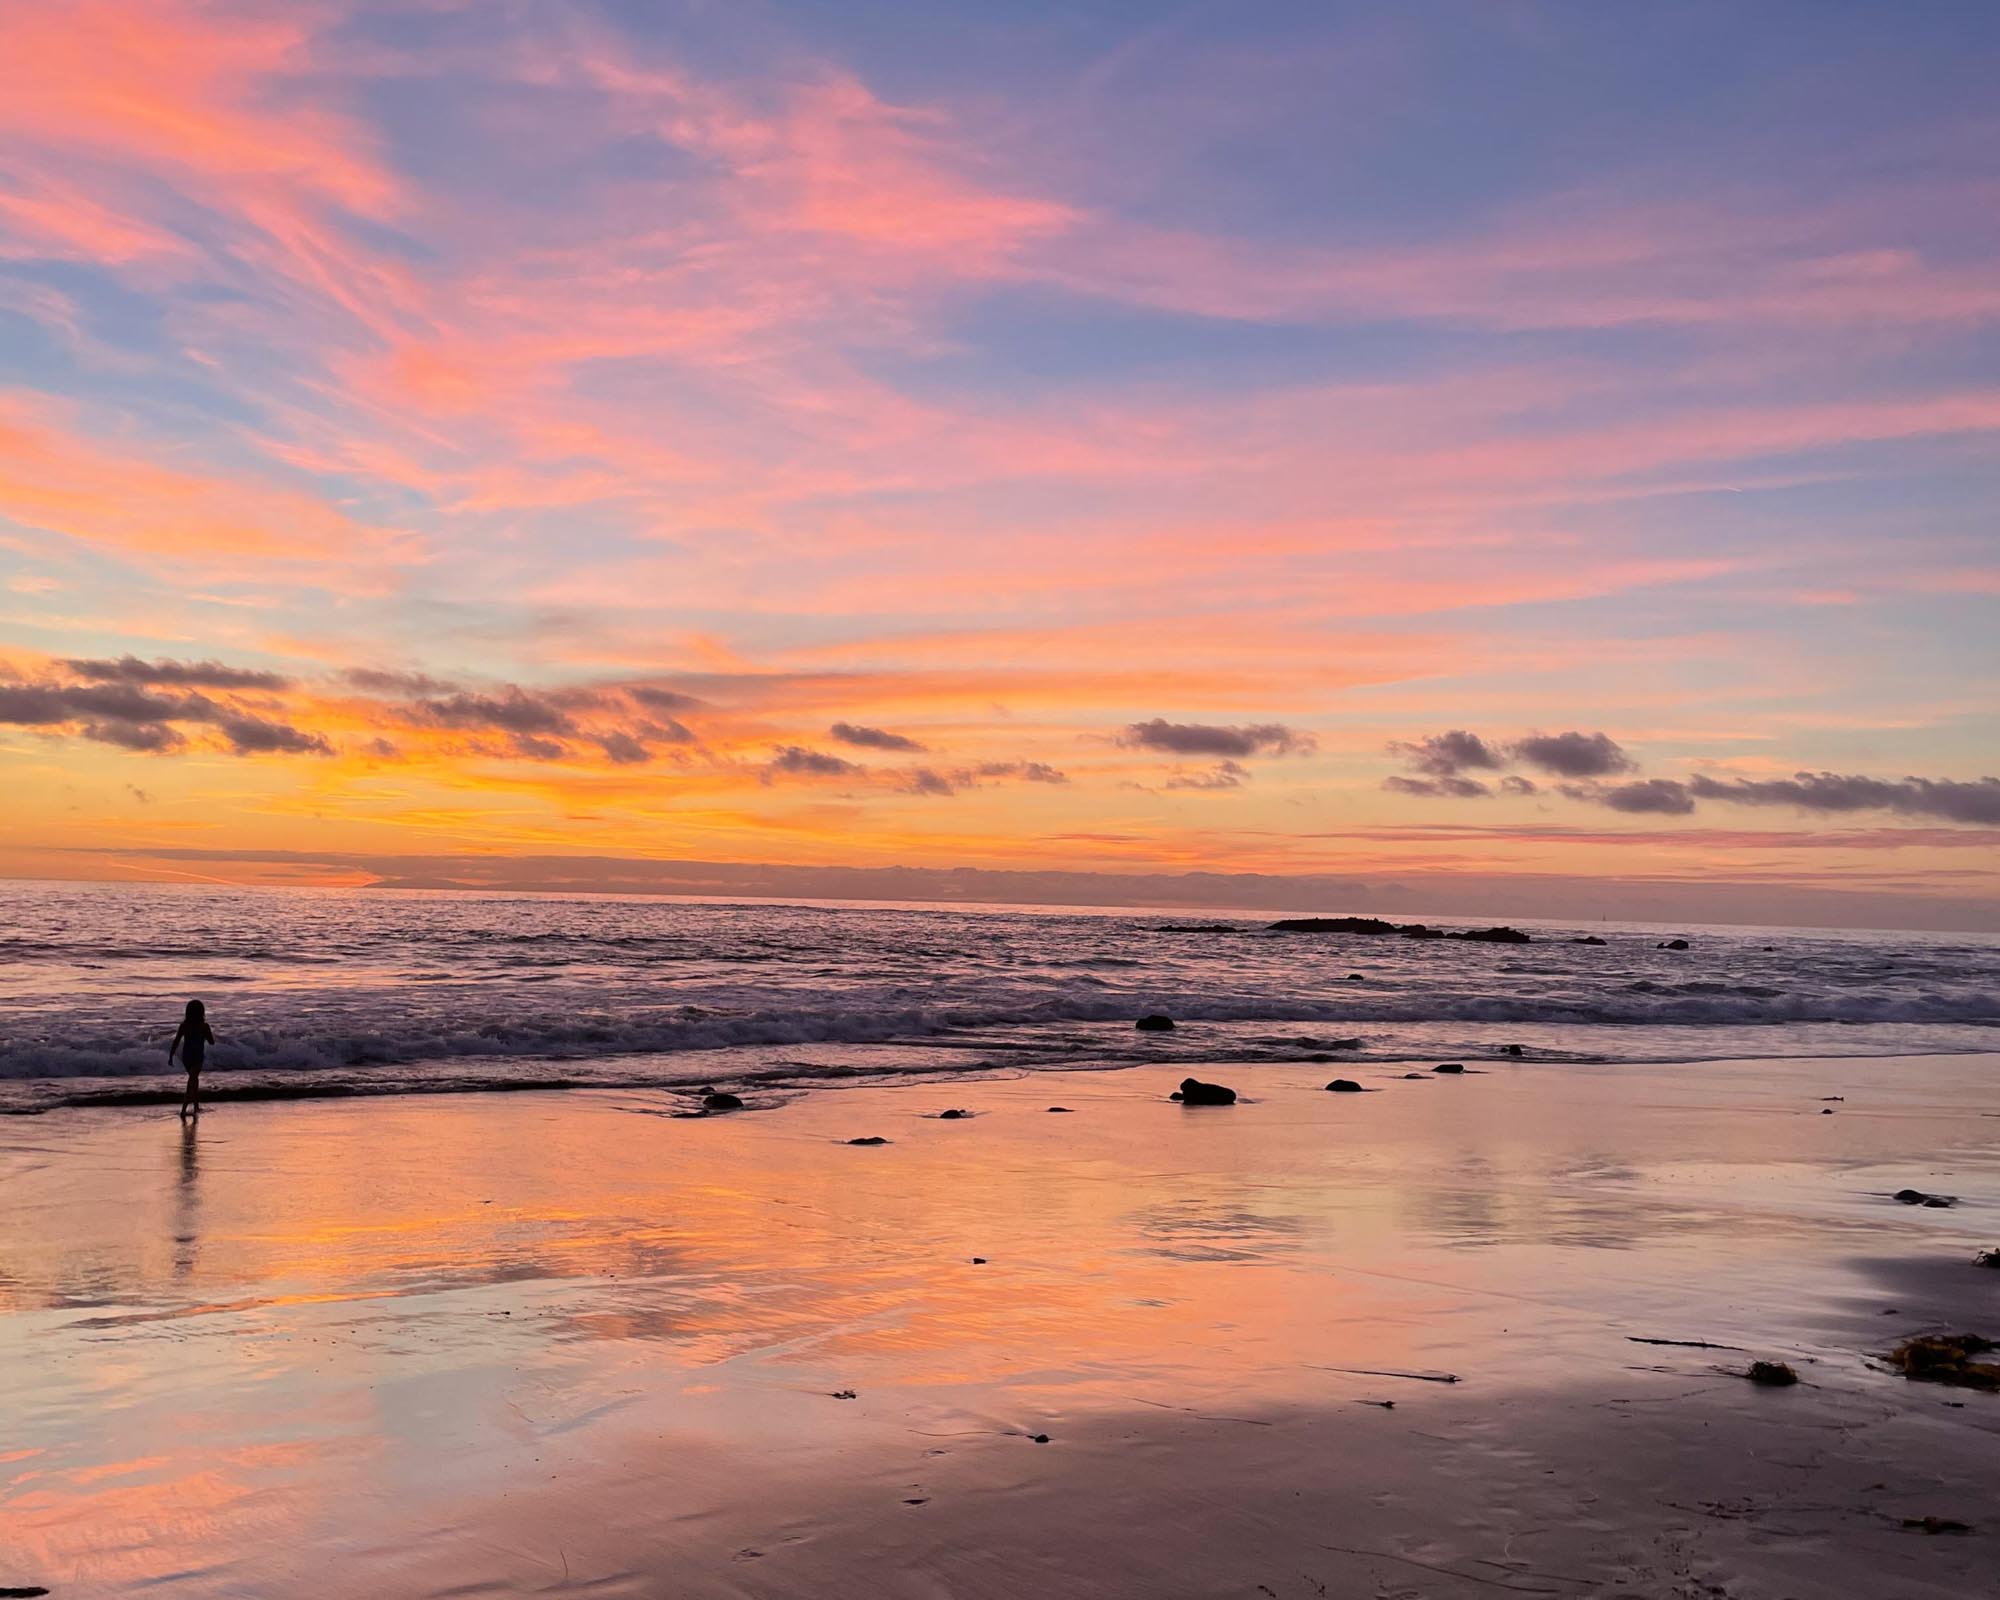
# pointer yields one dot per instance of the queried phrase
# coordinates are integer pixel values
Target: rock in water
(1344, 1086)
(1450, 1066)
(1494, 936)
(1588, 938)
(1155, 1024)
(1672, 944)
(720, 1100)
(1193, 1092)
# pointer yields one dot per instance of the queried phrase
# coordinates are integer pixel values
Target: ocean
(354, 991)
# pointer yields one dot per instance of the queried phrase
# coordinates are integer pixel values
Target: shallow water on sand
(334, 991)
(574, 1344)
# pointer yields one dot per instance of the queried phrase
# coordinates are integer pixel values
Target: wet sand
(567, 1344)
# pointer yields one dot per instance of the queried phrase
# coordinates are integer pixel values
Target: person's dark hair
(194, 1011)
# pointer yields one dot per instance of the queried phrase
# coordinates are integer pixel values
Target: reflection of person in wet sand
(192, 1039)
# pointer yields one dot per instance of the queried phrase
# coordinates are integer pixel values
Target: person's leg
(191, 1102)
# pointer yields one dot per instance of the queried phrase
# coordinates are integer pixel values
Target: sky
(1461, 456)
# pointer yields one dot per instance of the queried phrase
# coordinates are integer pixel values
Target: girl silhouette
(192, 1039)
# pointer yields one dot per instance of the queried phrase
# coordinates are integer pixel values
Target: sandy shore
(566, 1344)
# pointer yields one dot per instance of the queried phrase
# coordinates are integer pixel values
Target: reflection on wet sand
(323, 1339)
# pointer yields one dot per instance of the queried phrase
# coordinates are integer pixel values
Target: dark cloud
(1660, 797)
(175, 674)
(153, 738)
(1223, 775)
(44, 704)
(663, 699)
(1026, 771)
(666, 731)
(621, 748)
(1948, 799)
(922, 780)
(928, 780)
(1445, 755)
(377, 681)
(1212, 739)
(794, 758)
(1439, 787)
(133, 717)
(1574, 755)
(535, 748)
(249, 735)
(872, 738)
(1516, 785)
(512, 711)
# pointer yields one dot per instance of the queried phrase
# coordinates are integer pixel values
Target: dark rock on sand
(1672, 944)
(1588, 938)
(1039, 1438)
(1060, 1108)
(1419, 1076)
(1772, 1374)
(873, 1138)
(1929, 1525)
(844, 1394)
(1155, 1024)
(1193, 1092)
(1344, 1086)
(1494, 936)
(1449, 1066)
(1987, 1258)
(720, 1100)
(953, 1115)
(979, 1261)
(1917, 1197)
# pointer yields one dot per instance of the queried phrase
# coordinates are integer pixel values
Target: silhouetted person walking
(192, 1039)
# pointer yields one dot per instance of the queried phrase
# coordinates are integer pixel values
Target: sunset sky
(1495, 458)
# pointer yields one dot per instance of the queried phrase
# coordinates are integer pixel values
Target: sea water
(374, 991)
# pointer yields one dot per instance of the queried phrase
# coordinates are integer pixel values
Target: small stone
(1039, 1438)
(1450, 1066)
(1194, 1092)
(873, 1138)
(1344, 1086)
(1155, 1024)
(845, 1394)
(718, 1100)
(1059, 1108)
(1771, 1374)
(955, 1114)
(979, 1261)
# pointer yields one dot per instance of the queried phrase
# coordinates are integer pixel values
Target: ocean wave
(561, 1035)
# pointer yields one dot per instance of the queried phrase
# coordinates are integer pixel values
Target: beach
(582, 1343)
